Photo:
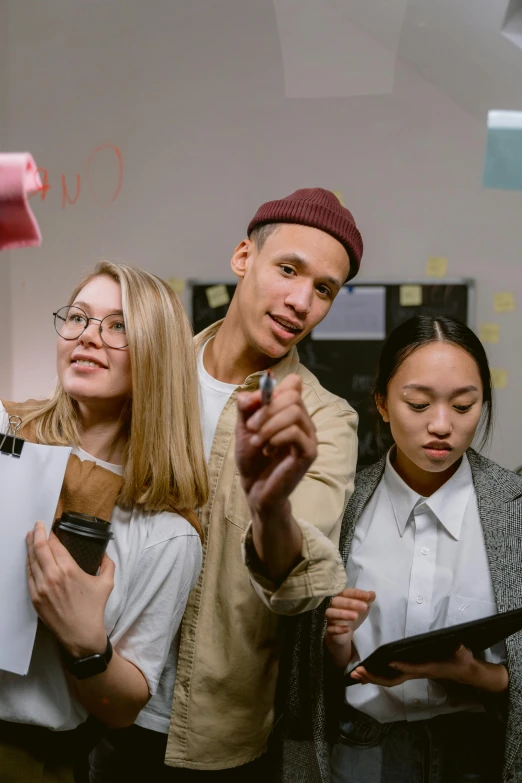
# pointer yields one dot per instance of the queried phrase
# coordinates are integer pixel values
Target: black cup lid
(85, 521)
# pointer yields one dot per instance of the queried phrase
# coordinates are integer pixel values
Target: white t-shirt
(214, 395)
(158, 560)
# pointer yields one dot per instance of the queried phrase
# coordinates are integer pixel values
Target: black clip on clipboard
(10, 444)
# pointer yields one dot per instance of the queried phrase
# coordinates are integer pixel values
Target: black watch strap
(82, 668)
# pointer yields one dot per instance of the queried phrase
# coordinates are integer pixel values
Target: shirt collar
(448, 503)
(402, 497)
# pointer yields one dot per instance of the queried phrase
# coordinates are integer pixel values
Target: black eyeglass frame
(101, 320)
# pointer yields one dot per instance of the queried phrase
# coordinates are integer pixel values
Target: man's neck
(229, 358)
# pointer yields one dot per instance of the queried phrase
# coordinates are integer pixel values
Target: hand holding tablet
(445, 645)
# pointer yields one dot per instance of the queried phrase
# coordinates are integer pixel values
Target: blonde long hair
(164, 462)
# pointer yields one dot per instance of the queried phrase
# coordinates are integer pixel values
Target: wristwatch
(82, 668)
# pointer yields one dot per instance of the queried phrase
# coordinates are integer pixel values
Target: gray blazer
(303, 734)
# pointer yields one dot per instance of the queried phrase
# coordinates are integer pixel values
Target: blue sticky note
(503, 166)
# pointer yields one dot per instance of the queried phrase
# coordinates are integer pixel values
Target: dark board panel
(202, 313)
(441, 299)
(347, 367)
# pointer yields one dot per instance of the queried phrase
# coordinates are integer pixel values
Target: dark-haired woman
(431, 537)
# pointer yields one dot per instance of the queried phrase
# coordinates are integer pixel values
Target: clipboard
(31, 477)
(477, 635)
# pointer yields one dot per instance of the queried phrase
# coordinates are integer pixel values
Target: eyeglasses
(71, 322)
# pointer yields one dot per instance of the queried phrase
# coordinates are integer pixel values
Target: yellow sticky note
(339, 196)
(504, 302)
(410, 295)
(217, 296)
(436, 267)
(499, 378)
(177, 284)
(489, 333)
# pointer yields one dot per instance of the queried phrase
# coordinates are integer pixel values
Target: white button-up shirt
(426, 560)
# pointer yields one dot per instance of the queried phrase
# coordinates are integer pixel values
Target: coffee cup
(85, 537)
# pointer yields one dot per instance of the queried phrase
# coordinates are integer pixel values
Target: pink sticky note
(18, 177)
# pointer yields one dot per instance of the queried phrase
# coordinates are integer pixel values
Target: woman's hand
(344, 615)
(462, 667)
(72, 605)
(70, 602)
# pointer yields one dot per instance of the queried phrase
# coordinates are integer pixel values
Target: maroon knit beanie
(317, 208)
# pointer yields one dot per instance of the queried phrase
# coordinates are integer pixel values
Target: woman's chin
(437, 464)
(76, 386)
(82, 391)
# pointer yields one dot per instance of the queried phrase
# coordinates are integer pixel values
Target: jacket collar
(365, 485)
(288, 364)
(493, 484)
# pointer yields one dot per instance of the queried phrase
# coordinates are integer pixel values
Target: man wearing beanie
(259, 565)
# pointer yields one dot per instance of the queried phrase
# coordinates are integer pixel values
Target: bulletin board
(343, 351)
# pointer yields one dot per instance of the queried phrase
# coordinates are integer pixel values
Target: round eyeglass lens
(113, 331)
(71, 322)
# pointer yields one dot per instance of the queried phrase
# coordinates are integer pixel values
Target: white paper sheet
(29, 491)
(357, 313)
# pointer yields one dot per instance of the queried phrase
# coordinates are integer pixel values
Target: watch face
(88, 667)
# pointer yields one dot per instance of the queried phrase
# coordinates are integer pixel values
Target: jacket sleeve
(318, 505)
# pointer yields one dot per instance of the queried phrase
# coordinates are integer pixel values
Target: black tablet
(437, 645)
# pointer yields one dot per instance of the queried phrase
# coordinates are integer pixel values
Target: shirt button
(420, 599)
(416, 703)
(425, 550)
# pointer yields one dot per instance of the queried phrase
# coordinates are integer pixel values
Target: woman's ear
(380, 402)
(240, 258)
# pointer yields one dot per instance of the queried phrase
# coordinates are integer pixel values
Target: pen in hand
(267, 384)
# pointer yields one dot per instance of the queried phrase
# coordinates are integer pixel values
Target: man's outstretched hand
(275, 444)
(275, 447)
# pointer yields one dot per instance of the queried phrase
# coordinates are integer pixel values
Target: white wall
(193, 96)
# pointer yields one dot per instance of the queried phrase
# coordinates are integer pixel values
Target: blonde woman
(126, 401)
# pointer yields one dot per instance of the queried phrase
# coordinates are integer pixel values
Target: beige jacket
(232, 629)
